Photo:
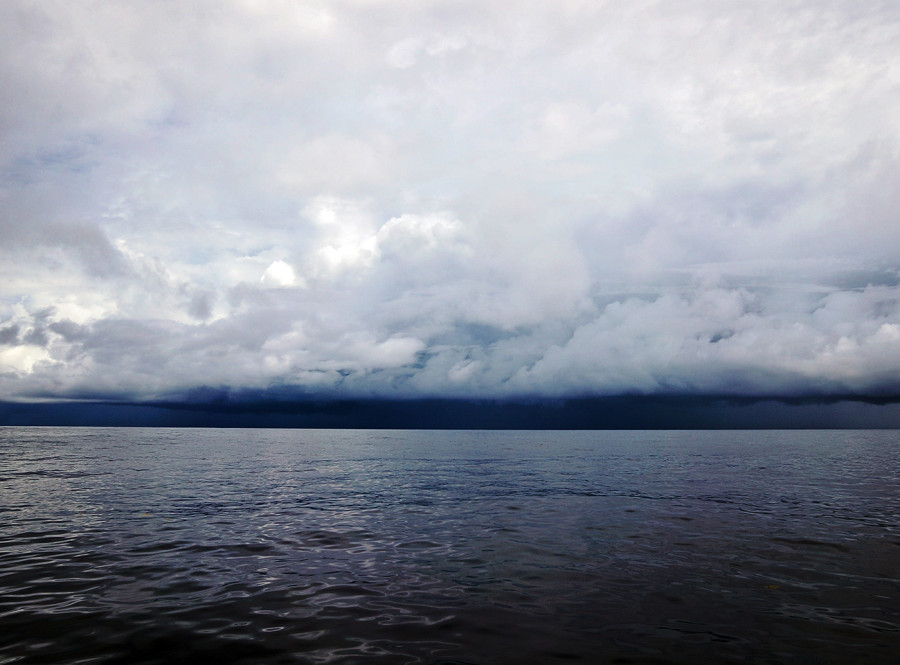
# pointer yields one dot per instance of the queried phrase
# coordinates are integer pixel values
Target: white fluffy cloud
(450, 198)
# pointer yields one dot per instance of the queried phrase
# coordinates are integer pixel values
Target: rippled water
(292, 546)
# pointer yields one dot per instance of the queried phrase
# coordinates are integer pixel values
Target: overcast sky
(449, 198)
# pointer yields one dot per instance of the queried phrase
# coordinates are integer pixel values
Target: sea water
(337, 546)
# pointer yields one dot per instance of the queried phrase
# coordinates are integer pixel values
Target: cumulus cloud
(450, 199)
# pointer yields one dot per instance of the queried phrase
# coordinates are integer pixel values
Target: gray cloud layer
(450, 198)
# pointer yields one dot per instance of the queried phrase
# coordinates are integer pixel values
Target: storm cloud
(450, 199)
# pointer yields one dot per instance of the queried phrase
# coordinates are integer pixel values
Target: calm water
(260, 546)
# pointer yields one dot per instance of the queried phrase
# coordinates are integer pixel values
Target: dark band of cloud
(619, 412)
(450, 201)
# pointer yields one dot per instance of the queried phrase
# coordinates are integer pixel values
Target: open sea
(448, 547)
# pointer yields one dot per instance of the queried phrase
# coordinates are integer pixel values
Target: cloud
(450, 199)
(279, 273)
(718, 341)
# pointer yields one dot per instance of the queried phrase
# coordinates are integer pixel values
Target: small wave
(809, 542)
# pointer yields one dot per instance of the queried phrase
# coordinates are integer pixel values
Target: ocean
(127, 545)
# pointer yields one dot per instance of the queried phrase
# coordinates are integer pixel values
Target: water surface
(329, 546)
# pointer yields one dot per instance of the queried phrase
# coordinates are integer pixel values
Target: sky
(431, 199)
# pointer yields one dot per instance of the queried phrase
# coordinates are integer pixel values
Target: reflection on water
(260, 546)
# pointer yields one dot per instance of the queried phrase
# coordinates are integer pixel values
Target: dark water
(260, 546)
